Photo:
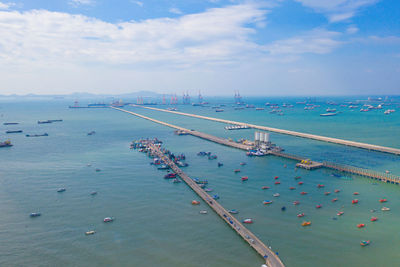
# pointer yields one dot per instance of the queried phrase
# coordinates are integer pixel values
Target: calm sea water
(155, 224)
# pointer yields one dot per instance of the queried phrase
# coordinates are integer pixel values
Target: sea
(154, 221)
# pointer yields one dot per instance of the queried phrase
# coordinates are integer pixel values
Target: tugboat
(6, 144)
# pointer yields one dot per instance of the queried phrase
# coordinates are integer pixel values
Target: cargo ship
(6, 144)
(12, 131)
(10, 123)
(43, 122)
(36, 135)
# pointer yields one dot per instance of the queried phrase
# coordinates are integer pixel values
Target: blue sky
(259, 47)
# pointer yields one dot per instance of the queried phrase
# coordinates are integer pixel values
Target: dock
(271, 258)
(329, 165)
(384, 149)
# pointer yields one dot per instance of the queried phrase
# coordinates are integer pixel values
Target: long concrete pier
(271, 258)
(391, 150)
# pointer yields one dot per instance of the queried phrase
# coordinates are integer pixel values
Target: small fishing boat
(220, 164)
(163, 167)
(303, 193)
(364, 243)
(300, 183)
(306, 223)
(236, 171)
(108, 219)
(300, 215)
(320, 185)
(354, 201)
(176, 181)
(208, 189)
(340, 213)
(233, 211)
(98, 170)
(243, 163)
(276, 177)
(203, 212)
(337, 191)
(266, 202)
(327, 193)
(248, 221)
(276, 195)
(195, 202)
(334, 200)
(296, 202)
(90, 232)
(35, 214)
(385, 209)
(91, 133)
(215, 197)
(245, 178)
(60, 190)
(283, 208)
(292, 188)
(277, 182)
(356, 193)
(265, 187)
(93, 193)
(170, 176)
(383, 200)
(318, 206)
(297, 177)
(361, 225)
(374, 219)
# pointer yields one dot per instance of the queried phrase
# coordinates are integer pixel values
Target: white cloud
(139, 3)
(337, 10)
(317, 41)
(40, 36)
(175, 10)
(77, 3)
(6, 6)
(352, 29)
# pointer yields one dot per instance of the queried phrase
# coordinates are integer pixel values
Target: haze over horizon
(259, 47)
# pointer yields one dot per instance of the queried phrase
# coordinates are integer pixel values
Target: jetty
(302, 161)
(271, 258)
(390, 150)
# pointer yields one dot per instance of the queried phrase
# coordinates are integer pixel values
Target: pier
(390, 150)
(271, 258)
(314, 165)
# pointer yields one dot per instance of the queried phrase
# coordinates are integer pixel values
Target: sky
(259, 47)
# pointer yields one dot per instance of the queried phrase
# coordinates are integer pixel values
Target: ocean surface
(155, 223)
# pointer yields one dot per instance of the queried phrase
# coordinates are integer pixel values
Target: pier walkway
(271, 258)
(342, 168)
(391, 150)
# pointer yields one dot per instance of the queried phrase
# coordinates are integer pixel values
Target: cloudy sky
(260, 47)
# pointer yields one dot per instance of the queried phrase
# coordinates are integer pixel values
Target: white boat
(385, 209)
(90, 232)
(276, 195)
(328, 114)
(203, 212)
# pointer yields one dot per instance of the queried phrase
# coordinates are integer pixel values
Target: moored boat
(90, 232)
(364, 243)
(306, 223)
(108, 219)
(35, 214)
(248, 221)
(266, 202)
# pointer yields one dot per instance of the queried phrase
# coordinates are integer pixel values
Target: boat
(108, 219)
(340, 213)
(327, 193)
(354, 201)
(93, 193)
(383, 200)
(265, 187)
(195, 202)
(266, 202)
(236, 171)
(220, 164)
(336, 175)
(303, 193)
(385, 209)
(306, 223)
(215, 197)
(242, 163)
(35, 214)
(361, 225)
(337, 191)
(91, 133)
(296, 202)
(36, 135)
(6, 144)
(356, 193)
(374, 219)
(277, 182)
(283, 208)
(245, 178)
(292, 188)
(276, 195)
(276, 177)
(233, 211)
(90, 232)
(328, 114)
(60, 190)
(203, 212)
(248, 221)
(320, 185)
(163, 167)
(208, 189)
(176, 181)
(318, 206)
(330, 110)
(55, 120)
(13, 131)
(300, 183)
(43, 122)
(364, 243)
(219, 110)
(334, 200)
(259, 108)
(300, 215)
(297, 177)
(170, 176)
(10, 123)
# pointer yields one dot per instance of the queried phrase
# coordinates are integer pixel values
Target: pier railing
(384, 177)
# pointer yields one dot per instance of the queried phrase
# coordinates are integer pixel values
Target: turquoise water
(155, 224)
